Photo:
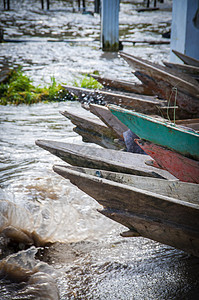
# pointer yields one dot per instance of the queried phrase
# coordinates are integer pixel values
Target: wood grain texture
(162, 81)
(107, 159)
(159, 217)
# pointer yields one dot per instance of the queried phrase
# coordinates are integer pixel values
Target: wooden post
(110, 25)
(42, 4)
(79, 4)
(47, 4)
(1, 35)
(97, 6)
(185, 29)
(84, 5)
(6, 4)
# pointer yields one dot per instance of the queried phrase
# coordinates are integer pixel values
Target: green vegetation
(89, 83)
(19, 89)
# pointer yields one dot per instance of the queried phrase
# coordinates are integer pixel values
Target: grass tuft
(19, 89)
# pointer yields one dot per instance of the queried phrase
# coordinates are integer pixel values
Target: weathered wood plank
(185, 69)
(171, 188)
(93, 130)
(108, 118)
(162, 83)
(123, 85)
(137, 102)
(187, 59)
(106, 159)
(162, 218)
(180, 237)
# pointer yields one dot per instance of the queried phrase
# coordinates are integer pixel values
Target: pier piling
(110, 25)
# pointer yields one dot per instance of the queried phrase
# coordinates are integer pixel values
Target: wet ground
(89, 259)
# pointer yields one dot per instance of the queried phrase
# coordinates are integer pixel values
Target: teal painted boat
(161, 132)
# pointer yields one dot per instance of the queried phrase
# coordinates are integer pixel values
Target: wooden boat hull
(190, 123)
(151, 215)
(183, 141)
(106, 159)
(123, 85)
(93, 130)
(108, 118)
(185, 69)
(187, 59)
(170, 188)
(147, 104)
(163, 83)
(181, 167)
(158, 72)
(115, 124)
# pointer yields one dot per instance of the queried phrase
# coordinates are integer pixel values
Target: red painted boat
(182, 167)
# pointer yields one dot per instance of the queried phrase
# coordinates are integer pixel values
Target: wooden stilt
(110, 25)
(6, 4)
(79, 4)
(42, 4)
(84, 5)
(1, 35)
(97, 6)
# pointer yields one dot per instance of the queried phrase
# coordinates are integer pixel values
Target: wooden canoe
(180, 166)
(161, 132)
(108, 118)
(185, 69)
(160, 72)
(147, 104)
(162, 82)
(93, 130)
(115, 124)
(190, 123)
(167, 213)
(187, 59)
(123, 85)
(105, 159)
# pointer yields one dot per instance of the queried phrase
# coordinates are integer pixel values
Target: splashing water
(88, 259)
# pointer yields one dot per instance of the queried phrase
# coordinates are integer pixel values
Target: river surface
(88, 259)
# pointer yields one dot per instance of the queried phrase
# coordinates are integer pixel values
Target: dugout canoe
(126, 137)
(182, 167)
(161, 132)
(185, 69)
(141, 103)
(105, 159)
(184, 90)
(167, 213)
(93, 130)
(187, 59)
(108, 118)
(123, 85)
(190, 123)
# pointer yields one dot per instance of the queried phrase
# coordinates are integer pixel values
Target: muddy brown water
(88, 259)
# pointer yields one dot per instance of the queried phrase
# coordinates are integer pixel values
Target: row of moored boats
(146, 172)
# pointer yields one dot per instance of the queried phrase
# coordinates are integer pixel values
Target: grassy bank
(19, 89)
